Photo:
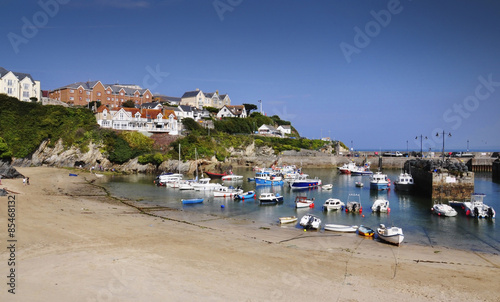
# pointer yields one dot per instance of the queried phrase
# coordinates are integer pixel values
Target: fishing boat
(381, 206)
(364, 170)
(303, 202)
(341, 228)
(441, 209)
(327, 187)
(268, 179)
(310, 221)
(404, 183)
(288, 219)
(333, 204)
(365, 231)
(476, 208)
(347, 168)
(304, 182)
(392, 235)
(245, 195)
(379, 181)
(224, 191)
(353, 204)
(192, 201)
(270, 198)
(232, 177)
(215, 175)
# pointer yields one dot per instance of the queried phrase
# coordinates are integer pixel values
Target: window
(108, 92)
(26, 94)
(98, 94)
(71, 98)
(81, 91)
(26, 86)
(121, 93)
(88, 92)
(71, 91)
(108, 98)
(9, 82)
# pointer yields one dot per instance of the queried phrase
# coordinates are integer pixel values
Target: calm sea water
(409, 211)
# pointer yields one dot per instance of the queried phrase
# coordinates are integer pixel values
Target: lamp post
(467, 145)
(407, 147)
(421, 150)
(443, 134)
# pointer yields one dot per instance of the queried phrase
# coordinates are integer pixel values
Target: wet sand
(75, 243)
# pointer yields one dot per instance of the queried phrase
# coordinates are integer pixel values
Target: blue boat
(379, 181)
(303, 182)
(192, 201)
(246, 195)
(270, 179)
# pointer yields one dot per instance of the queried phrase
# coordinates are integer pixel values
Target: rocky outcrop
(7, 171)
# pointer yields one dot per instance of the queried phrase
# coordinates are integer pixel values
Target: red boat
(215, 175)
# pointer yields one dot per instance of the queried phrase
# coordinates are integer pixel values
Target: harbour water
(409, 211)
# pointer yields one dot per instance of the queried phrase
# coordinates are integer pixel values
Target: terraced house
(111, 95)
(19, 85)
(136, 119)
(200, 99)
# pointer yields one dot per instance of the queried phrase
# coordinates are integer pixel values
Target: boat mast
(196, 162)
(179, 165)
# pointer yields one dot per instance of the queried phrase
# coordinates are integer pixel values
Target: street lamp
(407, 148)
(443, 134)
(421, 150)
(467, 145)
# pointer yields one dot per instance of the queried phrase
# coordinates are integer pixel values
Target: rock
(7, 171)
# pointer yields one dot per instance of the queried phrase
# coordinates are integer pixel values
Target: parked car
(392, 154)
(461, 154)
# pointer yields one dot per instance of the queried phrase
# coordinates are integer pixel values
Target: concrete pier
(496, 169)
(440, 183)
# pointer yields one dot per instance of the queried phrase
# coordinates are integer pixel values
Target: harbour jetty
(448, 180)
(496, 169)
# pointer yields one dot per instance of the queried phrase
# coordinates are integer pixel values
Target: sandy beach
(75, 243)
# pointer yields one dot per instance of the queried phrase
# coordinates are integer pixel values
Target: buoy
(388, 210)
(222, 206)
(305, 230)
(363, 215)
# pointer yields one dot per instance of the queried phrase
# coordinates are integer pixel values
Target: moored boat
(270, 198)
(232, 177)
(365, 231)
(192, 201)
(245, 195)
(404, 182)
(381, 206)
(341, 228)
(347, 168)
(476, 208)
(310, 221)
(359, 184)
(303, 182)
(333, 204)
(303, 202)
(379, 181)
(392, 235)
(353, 204)
(441, 209)
(215, 175)
(224, 191)
(327, 187)
(288, 219)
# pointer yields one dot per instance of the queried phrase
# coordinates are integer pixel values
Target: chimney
(197, 89)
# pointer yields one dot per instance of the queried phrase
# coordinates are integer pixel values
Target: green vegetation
(25, 125)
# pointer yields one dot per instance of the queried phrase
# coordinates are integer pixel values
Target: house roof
(190, 94)
(151, 105)
(186, 108)
(19, 75)
(89, 85)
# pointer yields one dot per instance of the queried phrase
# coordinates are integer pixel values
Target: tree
(250, 107)
(33, 99)
(128, 104)
(5, 154)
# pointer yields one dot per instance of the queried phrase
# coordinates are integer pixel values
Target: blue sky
(374, 73)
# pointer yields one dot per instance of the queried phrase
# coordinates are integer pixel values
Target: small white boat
(270, 198)
(327, 187)
(224, 191)
(381, 206)
(232, 177)
(443, 210)
(310, 221)
(204, 184)
(392, 235)
(353, 204)
(476, 208)
(341, 228)
(288, 219)
(303, 202)
(359, 184)
(333, 204)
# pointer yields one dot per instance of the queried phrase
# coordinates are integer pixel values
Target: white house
(232, 111)
(19, 85)
(285, 129)
(134, 119)
(199, 99)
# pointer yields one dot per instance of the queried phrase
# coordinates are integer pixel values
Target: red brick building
(112, 95)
